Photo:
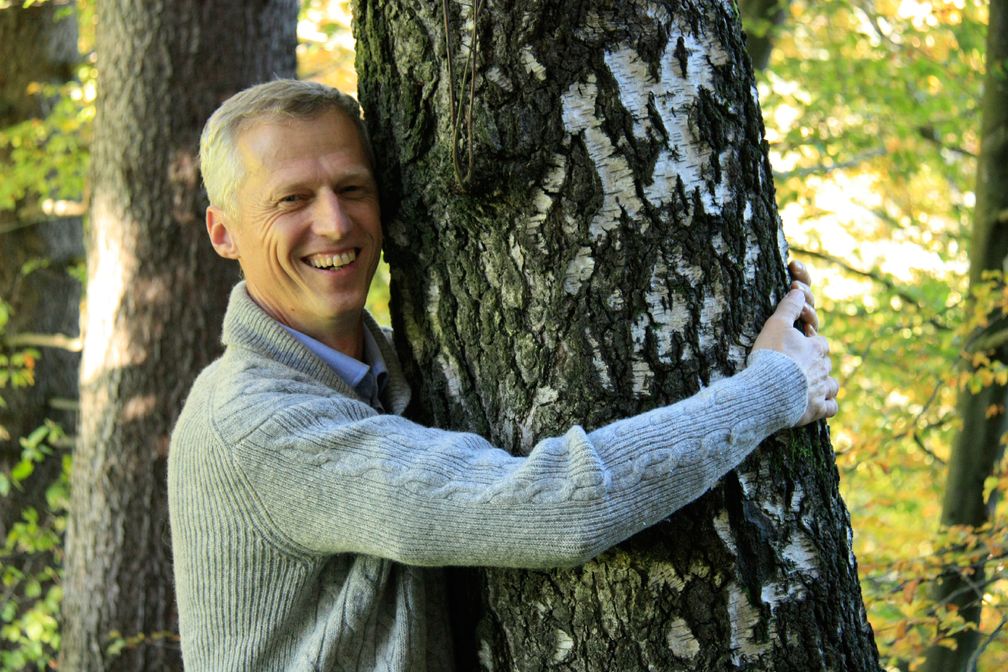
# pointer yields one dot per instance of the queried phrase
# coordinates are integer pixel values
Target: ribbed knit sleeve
(327, 475)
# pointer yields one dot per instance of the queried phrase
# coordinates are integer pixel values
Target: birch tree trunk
(979, 447)
(602, 239)
(156, 294)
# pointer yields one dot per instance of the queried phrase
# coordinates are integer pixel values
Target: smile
(332, 262)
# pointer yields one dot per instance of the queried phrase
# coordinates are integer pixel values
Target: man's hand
(810, 351)
(800, 279)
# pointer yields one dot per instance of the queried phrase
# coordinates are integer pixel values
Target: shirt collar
(367, 379)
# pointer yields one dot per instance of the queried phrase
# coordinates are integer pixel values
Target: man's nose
(330, 217)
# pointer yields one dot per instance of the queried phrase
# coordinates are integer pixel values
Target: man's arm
(380, 485)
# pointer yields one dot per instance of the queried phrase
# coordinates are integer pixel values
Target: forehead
(280, 144)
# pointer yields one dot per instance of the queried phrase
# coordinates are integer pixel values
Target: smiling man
(308, 518)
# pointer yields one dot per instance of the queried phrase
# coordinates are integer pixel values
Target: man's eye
(291, 198)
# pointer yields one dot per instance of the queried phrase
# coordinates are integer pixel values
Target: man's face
(306, 226)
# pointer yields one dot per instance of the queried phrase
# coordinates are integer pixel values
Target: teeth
(334, 261)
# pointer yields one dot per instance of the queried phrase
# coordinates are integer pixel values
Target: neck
(348, 341)
(345, 335)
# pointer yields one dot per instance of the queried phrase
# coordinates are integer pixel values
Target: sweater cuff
(784, 380)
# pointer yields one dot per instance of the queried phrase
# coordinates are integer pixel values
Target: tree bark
(978, 447)
(37, 44)
(156, 293)
(613, 245)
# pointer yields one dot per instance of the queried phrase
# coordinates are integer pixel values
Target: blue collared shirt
(366, 379)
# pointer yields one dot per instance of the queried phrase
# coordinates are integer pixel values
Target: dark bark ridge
(617, 247)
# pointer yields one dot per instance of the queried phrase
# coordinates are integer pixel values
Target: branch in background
(824, 169)
(929, 134)
(877, 277)
(927, 451)
(971, 666)
(987, 341)
(32, 340)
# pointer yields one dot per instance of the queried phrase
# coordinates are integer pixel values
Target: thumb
(791, 305)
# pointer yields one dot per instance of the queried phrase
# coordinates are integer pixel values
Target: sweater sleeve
(330, 480)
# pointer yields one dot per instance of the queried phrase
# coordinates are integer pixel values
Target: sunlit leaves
(47, 158)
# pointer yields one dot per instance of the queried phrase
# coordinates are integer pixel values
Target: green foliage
(30, 561)
(48, 157)
(45, 164)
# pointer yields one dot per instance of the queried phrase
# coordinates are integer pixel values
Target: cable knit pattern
(307, 527)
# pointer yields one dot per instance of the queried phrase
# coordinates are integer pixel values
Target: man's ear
(218, 227)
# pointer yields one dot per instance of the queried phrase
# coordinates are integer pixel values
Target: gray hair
(219, 162)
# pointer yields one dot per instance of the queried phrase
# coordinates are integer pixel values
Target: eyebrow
(283, 185)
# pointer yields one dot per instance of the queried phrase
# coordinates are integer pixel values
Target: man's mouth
(331, 262)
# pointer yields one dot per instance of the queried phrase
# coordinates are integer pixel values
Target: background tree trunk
(616, 246)
(762, 19)
(155, 297)
(37, 44)
(978, 447)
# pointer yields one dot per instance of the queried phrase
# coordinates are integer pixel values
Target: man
(307, 516)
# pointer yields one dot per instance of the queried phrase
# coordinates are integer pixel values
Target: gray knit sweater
(306, 527)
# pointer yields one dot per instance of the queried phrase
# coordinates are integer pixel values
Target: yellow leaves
(994, 410)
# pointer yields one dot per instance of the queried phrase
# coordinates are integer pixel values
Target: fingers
(791, 306)
(822, 401)
(801, 279)
(800, 272)
(809, 316)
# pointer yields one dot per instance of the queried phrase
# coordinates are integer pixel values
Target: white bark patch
(563, 647)
(449, 368)
(782, 242)
(681, 641)
(743, 619)
(752, 255)
(598, 362)
(737, 355)
(517, 254)
(724, 532)
(485, 656)
(674, 96)
(797, 497)
(111, 267)
(578, 270)
(495, 75)
(451, 376)
(642, 374)
(670, 316)
(615, 300)
(618, 184)
(699, 570)
(465, 43)
(532, 65)
(545, 395)
(664, 575)
(802, 553)
(544, 194)
(629, 70)
(710, 316)
(691, 272)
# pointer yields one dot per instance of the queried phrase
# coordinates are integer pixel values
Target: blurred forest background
(872, 111)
